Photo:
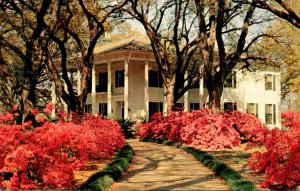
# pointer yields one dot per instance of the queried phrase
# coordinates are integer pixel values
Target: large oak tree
(221, 34)
(170, 26)
(285, 9)
(50, 34)
(22, 27)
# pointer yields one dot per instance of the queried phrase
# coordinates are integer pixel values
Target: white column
(186, 95)
(126, 88)
(94, 106)
(201, 92)
(109, 106)
(146, 100)
(78, 82)
(53, 99)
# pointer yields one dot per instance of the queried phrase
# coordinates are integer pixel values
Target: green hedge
(103, 179)
(234, 179)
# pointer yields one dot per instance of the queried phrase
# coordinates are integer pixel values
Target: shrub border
(104, 178)
(234, 179)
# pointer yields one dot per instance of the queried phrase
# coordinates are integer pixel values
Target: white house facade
(126, 84)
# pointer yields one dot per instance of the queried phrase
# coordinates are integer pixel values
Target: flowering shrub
(7, 118)
(280, 162)
(204, 130)
(250, 129)
(46, 156)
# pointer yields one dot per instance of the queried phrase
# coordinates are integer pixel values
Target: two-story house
(126, 84)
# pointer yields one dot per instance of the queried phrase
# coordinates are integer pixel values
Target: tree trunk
(28, 102)
(85, 80)
(215, 89)
(170, 99)
(170, 95)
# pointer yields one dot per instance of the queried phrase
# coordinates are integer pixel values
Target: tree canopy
(190, 39)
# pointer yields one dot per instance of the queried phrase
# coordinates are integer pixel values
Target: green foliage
(127, 128)
(234, 180)
(107, 176)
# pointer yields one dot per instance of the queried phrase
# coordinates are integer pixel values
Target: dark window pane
(155, 79)
(155, 107)
(103, 109)
(119, 78)
(102, 87)
(194, 106)
(179, 106)
(88, 108)
(230, 106)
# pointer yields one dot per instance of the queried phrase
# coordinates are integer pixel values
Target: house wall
(250, 88)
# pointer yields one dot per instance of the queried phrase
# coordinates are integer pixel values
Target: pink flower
(27, 124)
(16, 114)
(9, 116)
(14, 108)
(41, 119)
(34, 111)
(50, 106)
(47, 111)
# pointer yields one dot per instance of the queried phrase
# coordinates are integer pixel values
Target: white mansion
(126, 84)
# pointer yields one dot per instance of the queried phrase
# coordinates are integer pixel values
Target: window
(119, 78)
(270, 82)
(179, 107)
(155, 79)
(103, 109)
(88, 108)
(270, 112)
(194, 106)
(102, 87)
(252, 108)
(230, 106)
(155, 107)
(230, 81)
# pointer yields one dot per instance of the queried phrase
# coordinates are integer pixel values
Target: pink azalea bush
(203, 130)
(200, 129)
(281, 161)
(46, 156)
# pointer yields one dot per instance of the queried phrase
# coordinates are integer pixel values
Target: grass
(234, 179)
(103, 179)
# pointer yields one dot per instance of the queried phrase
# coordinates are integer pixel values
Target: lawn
(237, 159)
(91, 167)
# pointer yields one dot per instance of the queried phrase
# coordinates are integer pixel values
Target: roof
(137, 42)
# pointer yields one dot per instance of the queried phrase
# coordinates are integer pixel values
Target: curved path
(161, 167)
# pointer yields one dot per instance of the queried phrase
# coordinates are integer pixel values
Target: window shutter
(274, 84)
(235, 106)
(266, 109)
(256, 107)
(122, 78)
(274, 113)
(234, 79)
